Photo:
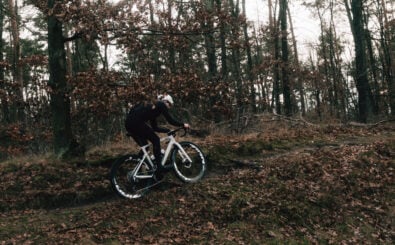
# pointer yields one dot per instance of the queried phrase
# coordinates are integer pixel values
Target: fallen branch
(300, 120)
(370, 125)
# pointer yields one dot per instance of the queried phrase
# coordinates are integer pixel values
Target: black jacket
(149, 113)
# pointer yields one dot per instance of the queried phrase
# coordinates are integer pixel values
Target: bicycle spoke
(189, 162)
(128, 180)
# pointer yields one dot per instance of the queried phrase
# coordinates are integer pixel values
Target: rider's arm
(165, 111)
(156, 128)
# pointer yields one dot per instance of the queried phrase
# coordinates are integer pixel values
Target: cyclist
(136, 125)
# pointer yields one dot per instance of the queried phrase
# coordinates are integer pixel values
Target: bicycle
(133, 175)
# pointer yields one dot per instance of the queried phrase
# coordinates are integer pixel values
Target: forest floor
(289, 183)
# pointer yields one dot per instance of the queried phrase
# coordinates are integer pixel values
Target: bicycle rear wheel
(122, 177)
(186, 170)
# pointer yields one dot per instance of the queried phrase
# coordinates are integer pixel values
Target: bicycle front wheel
(189, 162)
(123, 177)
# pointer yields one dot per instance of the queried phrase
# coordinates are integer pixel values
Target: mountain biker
(137, 127)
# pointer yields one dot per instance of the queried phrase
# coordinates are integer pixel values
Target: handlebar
(173, 132)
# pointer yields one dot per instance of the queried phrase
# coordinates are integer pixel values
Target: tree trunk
(155, 63)
(316, 89)
(388, 46)
(236, 71)
(274, 34)
(391, 80)
(340, 84)
(209, 40)
(171, 49)
(3, 94)
(222, 37)
(249, 61)
(361, 77)
(69, 58)
(299, 81)
(60, 101)
(236, 51)
(262, 95)
(375, 94)
(326, 62)
(17, 108)
(333, 67)
(285, 58)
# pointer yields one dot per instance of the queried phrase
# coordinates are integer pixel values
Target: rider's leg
(141, 142)
(141, 133)
(147, 133)
(155, 140)
(138, 130)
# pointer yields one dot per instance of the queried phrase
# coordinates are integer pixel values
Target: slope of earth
(328, 184)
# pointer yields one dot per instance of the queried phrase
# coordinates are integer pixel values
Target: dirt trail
(362, 137)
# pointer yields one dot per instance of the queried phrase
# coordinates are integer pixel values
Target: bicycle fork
(186, 160)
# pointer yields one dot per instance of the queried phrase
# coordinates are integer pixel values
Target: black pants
(142, 133)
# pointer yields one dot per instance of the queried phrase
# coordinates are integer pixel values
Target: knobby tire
(184, 170)
(122, 181)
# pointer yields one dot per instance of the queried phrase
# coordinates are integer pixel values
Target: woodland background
(287, 163)
(58, 93)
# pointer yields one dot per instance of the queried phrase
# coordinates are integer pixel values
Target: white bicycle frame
(171, 143)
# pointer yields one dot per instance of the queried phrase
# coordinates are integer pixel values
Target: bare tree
(299, 81)
(17, 108)
(250, 75)
(222, 7)
(60, 101)
(275, 39)
(285, 59)
(355, 13)
(209, 39)
(3, 93)
(388, 49)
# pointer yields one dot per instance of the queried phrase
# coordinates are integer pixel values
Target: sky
(306, 25)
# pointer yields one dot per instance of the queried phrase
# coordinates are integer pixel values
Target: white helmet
(167, 98)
